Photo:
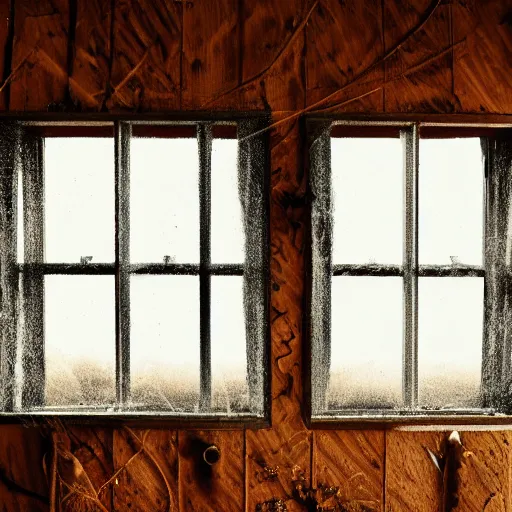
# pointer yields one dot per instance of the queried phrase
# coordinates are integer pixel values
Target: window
(409, 304)
(134, 268)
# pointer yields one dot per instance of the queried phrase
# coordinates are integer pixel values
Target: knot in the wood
(211, 455)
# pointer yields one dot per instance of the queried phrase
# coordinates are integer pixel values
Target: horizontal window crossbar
(397, 270)
(226, 269)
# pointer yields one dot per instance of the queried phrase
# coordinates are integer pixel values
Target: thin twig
(122, 468)
(16, 69)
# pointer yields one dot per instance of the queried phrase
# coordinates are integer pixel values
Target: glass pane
(165, 342)
(164, 207)
(450, 329)
(79, 199)
(80, 340)
(227, 231)
(367, 180)
(366, 343)
(230, 392)
(451, 191)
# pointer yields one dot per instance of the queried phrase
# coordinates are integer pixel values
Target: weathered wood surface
(204, 487)
(145, 470)
(423, 56)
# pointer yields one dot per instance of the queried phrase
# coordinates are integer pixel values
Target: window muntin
(148, 283)
(455, 278)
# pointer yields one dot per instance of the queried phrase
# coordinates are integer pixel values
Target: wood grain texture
(287, 445)
(91, 57)
(211, 54)
(344, 39)
(485, 472)
(272, 58)
(204, 488)
(146, 60)
(482, 77)
(146, 469)
(40, 52)
(353, 463)
(419, 73)
(23, 485)
(5, 51)
(84, 464)
(412, 480)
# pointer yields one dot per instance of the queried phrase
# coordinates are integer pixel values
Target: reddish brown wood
(351, 464)
(146, 62)
(211, 49)
(412, 480)
(146, 469)
(272, 58)
(23, 485)
(485, 472)
(90, 66)
(344, 39)
(5, 20)
(482, 78)
(204, 487)
(419, 74)
(40, 51)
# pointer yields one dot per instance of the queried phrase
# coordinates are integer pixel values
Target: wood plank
(344, 39)
(412, 480)
(350, 466)
(146, 466)
(287, 446)
(272, 54)
(484, 476)
(204, 487)
(210, 54)
(146, 60)
(419, 74)
(84, 464)
(23, 484)
(40, 51)
(90, 66)
(6, 35)
(482, 78)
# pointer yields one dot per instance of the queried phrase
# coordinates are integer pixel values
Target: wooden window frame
(22, 284)
(497, 342)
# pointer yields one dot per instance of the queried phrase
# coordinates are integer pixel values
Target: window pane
(165, 342)
(230, 391)
(366, 343)
(450, 328)
(367, 176)
(227, 231)
(79, 199)
(164, 207)
(80, 340)
(450, 201)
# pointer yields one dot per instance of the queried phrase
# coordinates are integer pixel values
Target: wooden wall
(286, 56)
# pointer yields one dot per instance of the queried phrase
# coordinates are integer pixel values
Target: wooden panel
(211, 54)
(211, 488)
(146, 66)
(22, 481)
(484, 476)
(40, 51)
(482, 77)
(413, 481)
(84, 468)
(287, 445)
(273, 45)
(344, 40)
(146, 469)
(90, 66)
(419, 74)
(5, 51)
(351, 465)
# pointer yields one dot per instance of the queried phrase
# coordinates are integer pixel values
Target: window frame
(22, 284)
(496, 367)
